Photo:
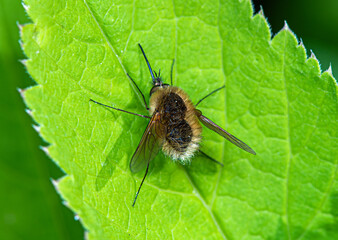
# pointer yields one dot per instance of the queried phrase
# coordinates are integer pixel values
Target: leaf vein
(199, 196)
(289, 153)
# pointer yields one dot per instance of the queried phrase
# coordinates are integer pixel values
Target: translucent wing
(149, 145)
(211, 125)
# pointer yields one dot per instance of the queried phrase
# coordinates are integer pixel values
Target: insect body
(174, 126)
(179, 127)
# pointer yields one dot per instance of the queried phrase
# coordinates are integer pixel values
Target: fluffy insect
(174, 126)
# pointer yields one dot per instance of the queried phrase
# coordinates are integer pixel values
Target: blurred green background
(29, 206)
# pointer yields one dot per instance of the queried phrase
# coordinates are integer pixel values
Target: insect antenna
(210, 158)
(138, 191)
(150, 70)
(209, 95)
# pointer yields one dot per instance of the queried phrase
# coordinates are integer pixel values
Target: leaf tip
(286, 26)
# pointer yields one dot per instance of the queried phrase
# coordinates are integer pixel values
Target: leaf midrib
(289, 153)
(199, 196)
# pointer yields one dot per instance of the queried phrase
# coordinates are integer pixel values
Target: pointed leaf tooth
(55, 184)
(301, 43)
(329, 70)
(36, 128)
(21, 44)
(261, 12)
(313, 55)
(20, 26)
(23, 62)
(29, 112)
(22, 92)
(45, 149)
(26, 7)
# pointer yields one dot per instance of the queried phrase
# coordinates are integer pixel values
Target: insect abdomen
(179, 135)
(182, 127)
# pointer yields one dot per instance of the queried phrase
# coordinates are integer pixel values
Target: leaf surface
(276, 100)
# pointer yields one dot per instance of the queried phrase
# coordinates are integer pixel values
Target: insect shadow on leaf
(106, 171)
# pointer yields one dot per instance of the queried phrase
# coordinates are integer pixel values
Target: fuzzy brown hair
(176, 109)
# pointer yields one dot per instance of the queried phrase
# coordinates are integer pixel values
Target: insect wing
(149, 145)
(211, 125)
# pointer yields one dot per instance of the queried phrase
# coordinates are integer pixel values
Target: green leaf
(276, 100)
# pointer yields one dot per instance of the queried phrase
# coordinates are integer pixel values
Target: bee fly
(174, 125)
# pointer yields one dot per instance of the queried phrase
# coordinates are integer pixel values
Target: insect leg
(171, 73)
(210, 158)
(144, 100)
(120, 109)
(209, 95)
(138, 191)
